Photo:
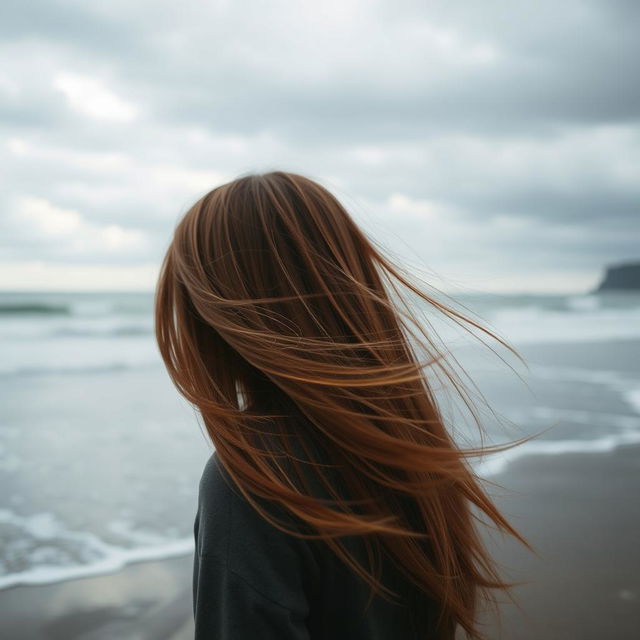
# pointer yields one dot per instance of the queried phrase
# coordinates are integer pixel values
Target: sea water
(100, 457)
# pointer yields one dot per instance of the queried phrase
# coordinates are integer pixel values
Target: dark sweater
(252, 581)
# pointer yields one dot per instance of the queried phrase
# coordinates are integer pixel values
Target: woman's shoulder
(223, 511)
(220, 497)
(216, 486)
(227, 519)
(230, 530)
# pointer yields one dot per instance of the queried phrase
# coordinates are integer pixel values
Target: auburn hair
(283, 324)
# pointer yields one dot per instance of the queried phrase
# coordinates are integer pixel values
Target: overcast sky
(494, 143)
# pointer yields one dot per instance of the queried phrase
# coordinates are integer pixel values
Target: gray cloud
(482, 112)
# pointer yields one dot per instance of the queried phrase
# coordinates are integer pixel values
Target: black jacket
(252, 581)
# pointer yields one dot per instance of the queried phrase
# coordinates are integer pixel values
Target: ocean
(100, 457)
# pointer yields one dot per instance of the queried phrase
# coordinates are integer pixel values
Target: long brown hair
(284, 325)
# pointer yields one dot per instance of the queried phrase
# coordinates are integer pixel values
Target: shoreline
(494, 467)
(580, 513)
(104, 567)
(578, 510)
(146, 600)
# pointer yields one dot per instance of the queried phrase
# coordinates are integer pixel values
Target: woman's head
(284, 325)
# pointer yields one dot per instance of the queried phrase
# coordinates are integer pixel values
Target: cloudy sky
(496, 144)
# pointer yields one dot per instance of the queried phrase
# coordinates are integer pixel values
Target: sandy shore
(580, 511)
(582, 514)
(145, 601)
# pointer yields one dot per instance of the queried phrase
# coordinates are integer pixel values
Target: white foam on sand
(624, 428)
(496, 463)
(627, 427)
(632, 396)
(628, 386)
(102, 557)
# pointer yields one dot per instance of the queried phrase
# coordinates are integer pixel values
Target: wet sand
(145, 601)
(582, 514)
(580, 511)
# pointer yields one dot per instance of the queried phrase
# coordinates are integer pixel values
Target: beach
(580, 511)
(146, 600)
(581, 514)
(100, 461)
(397, 238)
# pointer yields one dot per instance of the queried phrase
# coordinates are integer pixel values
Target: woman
(335, 505)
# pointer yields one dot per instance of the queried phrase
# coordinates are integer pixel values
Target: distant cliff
(621, 277)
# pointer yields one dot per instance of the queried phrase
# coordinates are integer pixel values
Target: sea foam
(101, 557)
